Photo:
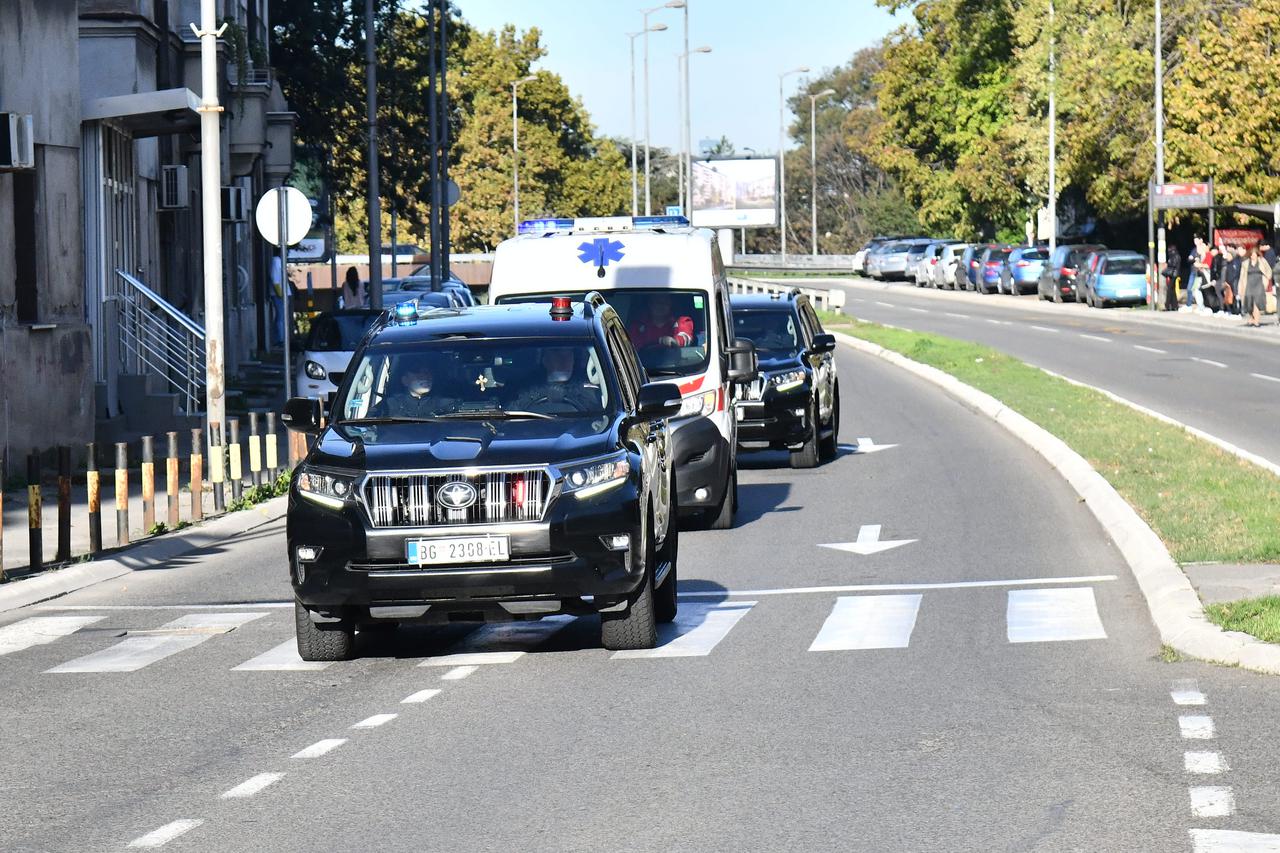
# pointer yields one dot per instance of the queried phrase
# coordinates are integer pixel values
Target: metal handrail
(157, 337)
(164, 305)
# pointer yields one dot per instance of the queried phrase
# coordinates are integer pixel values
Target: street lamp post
(813, 163)
(635, 180)
(515, 145)
(645, 13)
(742, 232)
(782, 156)
(686, 156)
(1053, 140)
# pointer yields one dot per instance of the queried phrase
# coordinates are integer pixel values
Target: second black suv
(795, 401)
(486, 464)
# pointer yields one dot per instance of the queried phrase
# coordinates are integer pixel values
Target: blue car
(991, 268)
(1119, 277)
(970, 264)
(1021, 274)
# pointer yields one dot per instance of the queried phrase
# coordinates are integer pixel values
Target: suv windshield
(338, 332)
(480, 379)
(770, 331)
(667, 327)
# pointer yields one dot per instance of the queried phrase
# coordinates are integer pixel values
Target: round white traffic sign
(297, 215)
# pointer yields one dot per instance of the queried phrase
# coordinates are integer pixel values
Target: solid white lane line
(1233, 841)
(886, 304)
(957, 316)
(1150, 349)
(458, 673)
(251, 786)
(282, 658)
(468, 658)
(420, 696)
(1186, 692)
(697, 630)
(320, 747)
(374, 721)
(165, 834)
(1045, 329)
(1265, 376)
(1196, 726)
(246, 605)
(39, 630)
(1204, 762)
(504, 642)
(1000, 322)
(1208, 361)
(1212, 801)
(868, 622)
(1053, 615)
(893, 587)
(133, 653)
(1098, 338)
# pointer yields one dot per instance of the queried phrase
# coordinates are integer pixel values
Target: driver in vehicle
(561, 388)
(661, 327)
(416, 399)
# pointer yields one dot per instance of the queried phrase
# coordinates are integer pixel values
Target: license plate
(453, 550)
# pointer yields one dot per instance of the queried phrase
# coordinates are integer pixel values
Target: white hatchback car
(325, 356)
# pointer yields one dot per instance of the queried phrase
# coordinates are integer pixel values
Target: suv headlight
(787, 380)
(699, 404)
(585, 479)
(331, 490)
(314, 369)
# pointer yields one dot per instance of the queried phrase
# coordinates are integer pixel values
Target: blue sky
(734, 89)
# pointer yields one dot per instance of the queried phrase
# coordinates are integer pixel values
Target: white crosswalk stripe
(135, 652)
(1053, 615)
(282, 658)
(697, 630)
(868, 622)
(1233, 841)
(39, 630)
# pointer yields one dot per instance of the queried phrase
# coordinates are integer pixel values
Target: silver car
(943, 273)
(891, 261)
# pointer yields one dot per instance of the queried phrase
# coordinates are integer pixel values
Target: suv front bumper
(702, 462)
(774, 418)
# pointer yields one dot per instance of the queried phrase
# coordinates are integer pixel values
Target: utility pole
(782, 155)
(1053, 141)
(515, 146)
(1159, 57)
(211, 216)
(373, 205)
(813, 165)
(686, 189)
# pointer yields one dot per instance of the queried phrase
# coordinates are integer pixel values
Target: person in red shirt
(660, 327)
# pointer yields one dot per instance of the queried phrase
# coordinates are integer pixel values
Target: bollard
(197, 474)
(122, 493)
(148, 483)
(273, 462)
(171, 480)
(64, 504)
(217, 473)
(33, 512)
(233, 458)
(255, 450)
(94, 487)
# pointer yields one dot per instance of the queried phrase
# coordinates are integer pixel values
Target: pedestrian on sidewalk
(352, 297)
(1231, 272)
(277, 301)
(1198, 275)
(1172, 266)
(1216, 293)
(1255, 279)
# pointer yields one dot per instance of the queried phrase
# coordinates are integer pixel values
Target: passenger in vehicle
(661, 327)
(417, 396)
(562, 388)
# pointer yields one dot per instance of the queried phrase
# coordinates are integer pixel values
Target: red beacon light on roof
(560, 308)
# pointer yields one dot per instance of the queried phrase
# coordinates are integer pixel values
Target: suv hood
(452, 444)
(772, 360)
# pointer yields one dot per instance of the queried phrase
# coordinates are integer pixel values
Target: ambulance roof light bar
(601, 224)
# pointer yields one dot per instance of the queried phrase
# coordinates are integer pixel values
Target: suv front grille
(414, 500)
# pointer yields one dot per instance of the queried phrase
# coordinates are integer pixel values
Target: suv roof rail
(591, 301)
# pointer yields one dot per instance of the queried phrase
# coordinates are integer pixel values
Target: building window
(24, 244)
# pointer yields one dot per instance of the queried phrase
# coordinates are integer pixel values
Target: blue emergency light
(407, 312)
(544, 226)
(613, 223)
(658, 221)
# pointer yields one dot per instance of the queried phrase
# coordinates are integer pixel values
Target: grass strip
(1205, 504)
(1257, 616)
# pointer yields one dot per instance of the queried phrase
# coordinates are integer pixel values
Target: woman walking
(1255, 272)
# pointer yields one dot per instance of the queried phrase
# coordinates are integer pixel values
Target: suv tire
(316, 643)
(665, 604)
(807, 455)
(634, 627)
(722, 518)
(828, 446)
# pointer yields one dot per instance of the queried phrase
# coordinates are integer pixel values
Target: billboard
(735, 192)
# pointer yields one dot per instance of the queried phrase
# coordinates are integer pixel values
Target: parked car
(1117, 277)
(1057, 281)
(861, 257)
(922, 272)
(991, 267)
(915, 251)
(422, 283)
(891, 261)
(1022, 271)
(333, 337)
(971, 263)
(425, 298)
(946, 272)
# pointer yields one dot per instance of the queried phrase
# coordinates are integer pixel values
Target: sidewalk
(1223, 582)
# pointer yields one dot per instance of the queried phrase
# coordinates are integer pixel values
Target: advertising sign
(1246, 237)
(1166, 196)
(735, 192)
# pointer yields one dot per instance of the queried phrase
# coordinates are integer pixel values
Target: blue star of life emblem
(600, 251)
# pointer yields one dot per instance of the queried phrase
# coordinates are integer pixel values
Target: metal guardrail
(822, 263)
(157, 337)
(824, 300)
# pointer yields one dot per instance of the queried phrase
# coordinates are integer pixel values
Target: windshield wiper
(491, 414)
(387, 419)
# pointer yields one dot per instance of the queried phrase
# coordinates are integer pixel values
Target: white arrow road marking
(39, 630)
(866, 445)
(868, 542)
(868, 622)
(1233, 841)
(697, 630)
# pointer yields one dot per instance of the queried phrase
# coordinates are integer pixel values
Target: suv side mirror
(302, 414)
(824, 342)
(743, 366)
(658, 400)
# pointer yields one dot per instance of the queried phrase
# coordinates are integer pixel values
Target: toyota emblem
(457, 495)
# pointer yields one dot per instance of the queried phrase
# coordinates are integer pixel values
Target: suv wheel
(322, 643)
(634, 627)
(807, 455)
(664, 597)
(722, 519)
(828, 446)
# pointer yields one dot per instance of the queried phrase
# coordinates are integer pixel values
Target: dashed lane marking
(1151, 349)
(1212, 801)
(1233, 841)
(419, 697)
(697, 629)
(918, 310)
(1265, 376)
(320, 747)
(375, 721)
(1196, 727)
(1186, 692)
(999, 322)
(251, 786)
(1053, 615)
(499, 643)
(1208, 361)
(886, 305)
(957, 316)
(1205, 763)
(891, 587)
(458, 673)
(39, 630)
(1098, 338)
(166, 833)
(1045, 329)
(868, 622)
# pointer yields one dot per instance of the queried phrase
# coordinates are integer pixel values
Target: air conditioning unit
(235, 204)
(174, 194)
(17, 145)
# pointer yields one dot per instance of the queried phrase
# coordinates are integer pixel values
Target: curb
(1173, 603)
(145, 555)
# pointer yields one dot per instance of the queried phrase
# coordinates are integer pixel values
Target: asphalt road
(1228, 386)
(810, 698)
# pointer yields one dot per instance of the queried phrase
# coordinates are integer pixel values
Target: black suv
(486, 464)
(795, 401)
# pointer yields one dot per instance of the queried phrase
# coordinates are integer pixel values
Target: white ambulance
(667, 282)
